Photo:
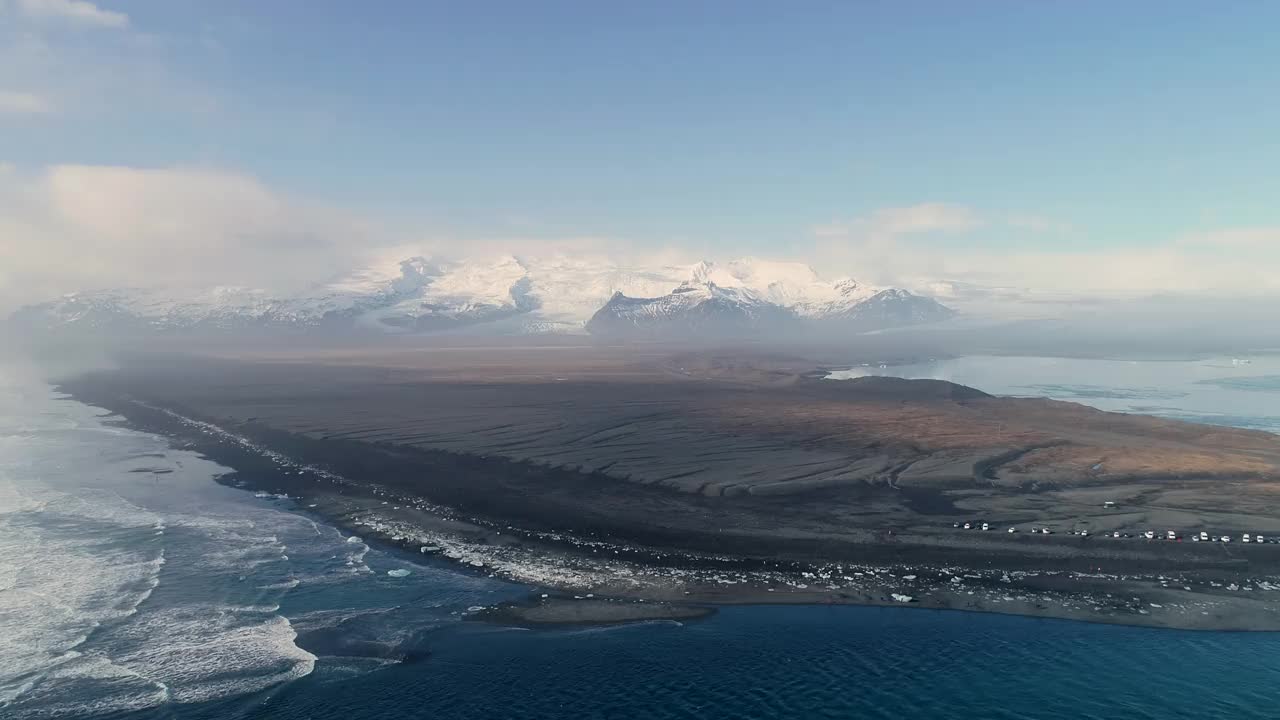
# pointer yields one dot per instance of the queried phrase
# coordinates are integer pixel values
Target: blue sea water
(133, 586)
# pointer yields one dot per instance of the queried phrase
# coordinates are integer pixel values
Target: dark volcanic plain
(691, 467)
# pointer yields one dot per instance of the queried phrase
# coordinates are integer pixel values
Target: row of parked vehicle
(1170, 535)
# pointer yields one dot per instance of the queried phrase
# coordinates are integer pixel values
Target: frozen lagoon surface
(133, 586)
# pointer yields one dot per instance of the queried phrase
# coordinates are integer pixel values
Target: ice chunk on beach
(902, 598)
(398, 572)
(353, 539)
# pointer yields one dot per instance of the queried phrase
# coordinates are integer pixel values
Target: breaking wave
(117, 597)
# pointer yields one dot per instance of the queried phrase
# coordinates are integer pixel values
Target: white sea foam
(62, 584)
(204, 652)
(94, 616)
(289, 584)
(60, 692)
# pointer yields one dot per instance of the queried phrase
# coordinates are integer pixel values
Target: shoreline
(544, 558)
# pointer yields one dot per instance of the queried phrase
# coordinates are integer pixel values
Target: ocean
(134, 586)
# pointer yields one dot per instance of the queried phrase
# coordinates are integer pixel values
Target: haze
(573, 359)
(1007, 163)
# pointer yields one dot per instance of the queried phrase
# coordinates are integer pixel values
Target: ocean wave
(289, 584)
(56, 602)
(68, 691)
(96, 611)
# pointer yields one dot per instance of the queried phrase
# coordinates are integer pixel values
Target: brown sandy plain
(743, 453)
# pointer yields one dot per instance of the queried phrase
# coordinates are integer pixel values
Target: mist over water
(1235, 391)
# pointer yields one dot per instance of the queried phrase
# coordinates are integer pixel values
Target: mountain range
(506, 295)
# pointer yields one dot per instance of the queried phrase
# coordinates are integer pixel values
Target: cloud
(111, 75)
(79, 12)
(71, 227)
(1035, 223)
(1130, 271)
(66, 228)
(74, 227)
(914, 219)
(125, 204)
(20, 103)
(889, 246)
(937, 218)
(927, 217)
(1258, 238)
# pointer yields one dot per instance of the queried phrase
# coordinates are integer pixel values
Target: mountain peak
(417, 293)
(848, 286)
(704, 271)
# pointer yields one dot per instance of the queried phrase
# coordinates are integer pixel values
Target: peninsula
(652, 473)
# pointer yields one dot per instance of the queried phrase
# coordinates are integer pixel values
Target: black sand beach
(578, 530)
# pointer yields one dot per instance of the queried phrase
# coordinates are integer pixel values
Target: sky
(1085, 146)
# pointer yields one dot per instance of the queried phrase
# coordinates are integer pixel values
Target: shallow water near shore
(132, 585)
(1236, 391)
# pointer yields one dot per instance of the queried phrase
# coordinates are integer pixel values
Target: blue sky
(719, 127)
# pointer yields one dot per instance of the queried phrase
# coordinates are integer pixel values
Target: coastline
(541, 557)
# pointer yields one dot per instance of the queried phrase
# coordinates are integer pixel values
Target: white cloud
(1123, 271)
(909, 220)
(115, 75)
(926, 217)
(1264, 238)
(80, 227)
(1036, 223)
(72, 227)
(79, 12)
(21, 103)
(887, 247)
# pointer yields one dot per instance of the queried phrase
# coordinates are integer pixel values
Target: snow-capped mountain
(792, 285)
(148, 309)
(694, 309)
(503, 294)
(705, 309)
(889, 308)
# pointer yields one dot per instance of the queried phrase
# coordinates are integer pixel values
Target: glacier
(502, 294)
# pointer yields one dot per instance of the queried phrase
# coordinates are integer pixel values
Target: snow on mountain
(747, 295)
(890, 308)
(705, 309)
(788, 284)
(569, 290)
(694, 309)
(845, 294)
(505, 293)
(150, 309)
(432, 296)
